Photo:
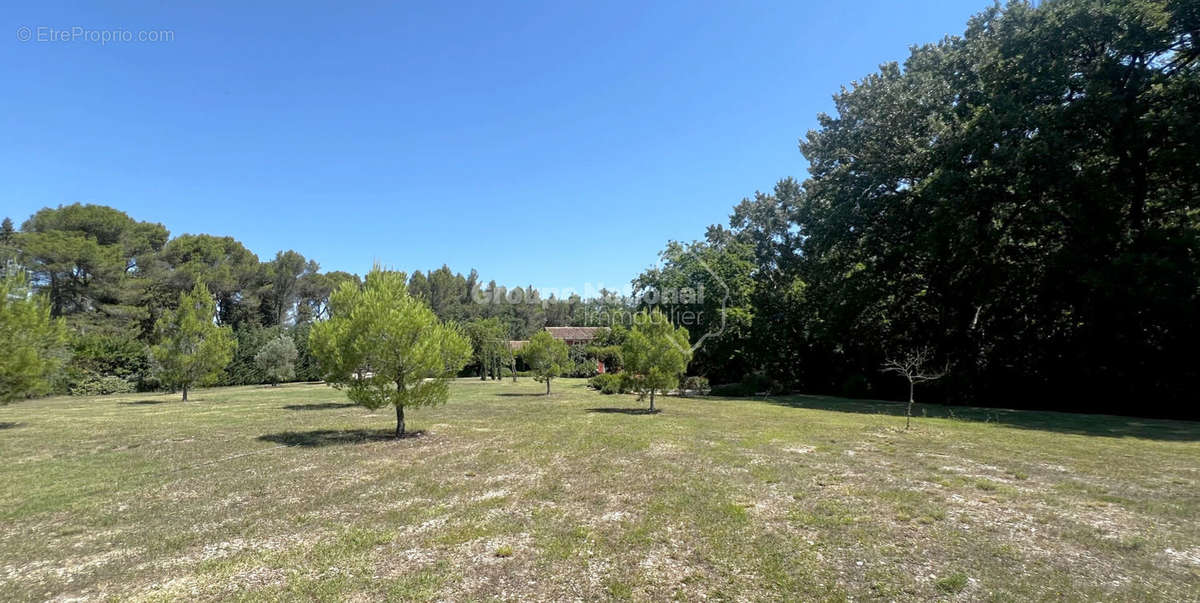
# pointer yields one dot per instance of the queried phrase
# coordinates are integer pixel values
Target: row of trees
(1020, 201)
(380, 343)
(111, 279)
(386, 347)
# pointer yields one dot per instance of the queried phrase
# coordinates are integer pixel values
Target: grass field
(268, 493)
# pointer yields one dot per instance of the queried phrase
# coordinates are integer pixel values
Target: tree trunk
(514, 370)
(547, 387)
(185, 393)
(651, 400)
(908, 410)
(399, 421)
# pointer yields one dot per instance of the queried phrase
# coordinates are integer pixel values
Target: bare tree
(913, 365)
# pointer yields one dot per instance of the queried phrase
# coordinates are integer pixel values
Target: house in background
(572, 336)
(577, 336)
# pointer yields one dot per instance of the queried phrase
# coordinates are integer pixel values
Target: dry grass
(268, 493)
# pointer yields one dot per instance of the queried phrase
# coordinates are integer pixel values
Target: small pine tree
(656, 355)
(34, 344)
(192, 349)
(546, 356)
(386, 347)
(277, 359)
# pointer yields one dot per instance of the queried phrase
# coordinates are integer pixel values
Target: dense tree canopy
(1020, 199)
(88, 260)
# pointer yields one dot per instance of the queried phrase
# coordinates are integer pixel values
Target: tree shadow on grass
(626, 411)
(145, 402)
(1061, 422)
(335, 437)
(521, 395)
(9, 425)
(319, 406)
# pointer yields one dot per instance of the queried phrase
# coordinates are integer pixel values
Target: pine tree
(192, 349)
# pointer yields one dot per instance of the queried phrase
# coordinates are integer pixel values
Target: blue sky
(558, 144)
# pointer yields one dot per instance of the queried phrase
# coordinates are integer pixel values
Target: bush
(101, 385)
(751, 385)
(732, 390)
(694, 385)
(580, 364)
(122, 361)
(608, 383)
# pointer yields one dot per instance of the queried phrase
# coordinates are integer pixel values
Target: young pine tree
(32, 344)
(386, 347)
(546, 356)
(192, 350)
(656, 354)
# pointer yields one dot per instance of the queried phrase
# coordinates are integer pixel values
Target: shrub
(277, 359)
(101, 385)
(608, 383)
(750, 385)
(732, 390)
(695, 385)
(98, 356)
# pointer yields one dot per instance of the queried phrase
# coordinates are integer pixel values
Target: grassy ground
(267, 493)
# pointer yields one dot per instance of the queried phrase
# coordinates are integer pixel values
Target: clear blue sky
(555, 144)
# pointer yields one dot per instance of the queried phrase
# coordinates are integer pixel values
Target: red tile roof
(574, 333)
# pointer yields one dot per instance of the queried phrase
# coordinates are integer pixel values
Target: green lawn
(268, 493)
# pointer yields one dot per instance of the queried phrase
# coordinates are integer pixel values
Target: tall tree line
(1020, 199)
(111, 278)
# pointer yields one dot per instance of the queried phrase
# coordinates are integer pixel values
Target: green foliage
(656, 354)
(608, 383)
(92, 384)
(307, 368)
(32, 343)
(314, 289)
(580, 362)
(90, 257)
(1020, 198)
(231, 272)
(707, 288)
(606, 347)
(954, 583)
(385, 347)
(243, 369)
(192, 350)
(546, 356)
(750, 385)
(277, 359)
(695, 385)
(103, 363)
(489, 339)
(732, 390)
